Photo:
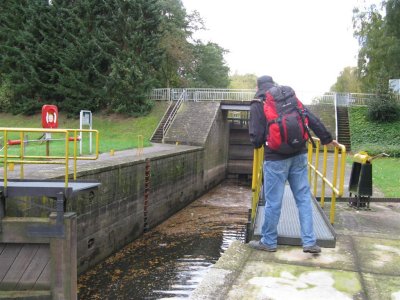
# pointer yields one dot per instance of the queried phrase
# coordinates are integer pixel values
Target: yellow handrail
(23, 159)
(257, 177)
(314, 174)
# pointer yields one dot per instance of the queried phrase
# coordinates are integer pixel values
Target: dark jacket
(258, 131)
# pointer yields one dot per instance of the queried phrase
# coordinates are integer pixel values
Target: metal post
(85, 117)
(336, 116)
(2, 209)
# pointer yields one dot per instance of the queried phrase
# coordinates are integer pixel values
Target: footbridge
(326, 176)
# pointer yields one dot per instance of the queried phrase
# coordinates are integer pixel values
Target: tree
(378, 37)
(22, 45)
(347, 81)
(247, 81)
(177, 27)
(88, 54)
(384, 107)
(210, 70)
(95, 54)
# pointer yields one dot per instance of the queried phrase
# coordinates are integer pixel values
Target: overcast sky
(302, 43)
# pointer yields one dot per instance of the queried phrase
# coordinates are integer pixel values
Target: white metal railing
(336, 119)
(205, 94)
(171, 117)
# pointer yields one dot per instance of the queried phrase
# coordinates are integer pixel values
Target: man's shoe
(312, 249)
(260, 246)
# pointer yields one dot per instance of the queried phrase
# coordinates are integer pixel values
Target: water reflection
(170, 261)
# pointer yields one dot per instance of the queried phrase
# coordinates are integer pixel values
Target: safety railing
(20, 157)
(172, 115)
(257, 178)
(203, 94)
(211, 94)
(333, 180)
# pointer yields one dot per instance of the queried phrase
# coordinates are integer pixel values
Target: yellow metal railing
(68, 136)
(334, 180)
(257, 178)
(314, 173)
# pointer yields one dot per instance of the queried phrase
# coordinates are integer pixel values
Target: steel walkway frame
(289, 224)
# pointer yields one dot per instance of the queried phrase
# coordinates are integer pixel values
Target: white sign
(85, 119)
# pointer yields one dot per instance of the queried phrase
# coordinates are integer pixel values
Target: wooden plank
(35, 268)
(19, 266)
(15, 230)
(43, 281)
(42, 295)
(7, 258)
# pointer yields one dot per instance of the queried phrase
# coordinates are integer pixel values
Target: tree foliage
(94, 54)
(379, 56)
(210, 69)
(247, 81)
(384, 107)
(347, 81)
(379, 38)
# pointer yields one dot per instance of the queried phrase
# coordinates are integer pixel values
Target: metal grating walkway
(289, 225)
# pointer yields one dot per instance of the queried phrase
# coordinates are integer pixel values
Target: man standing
(280, 167)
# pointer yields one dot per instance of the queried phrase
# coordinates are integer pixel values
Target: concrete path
(364, 265)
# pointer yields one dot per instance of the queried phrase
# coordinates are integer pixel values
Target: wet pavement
(172, 259)
(365, 264)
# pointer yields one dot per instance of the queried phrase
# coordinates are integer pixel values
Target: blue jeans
(276, 173)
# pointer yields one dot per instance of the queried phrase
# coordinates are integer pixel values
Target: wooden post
(63, 260)
(47, 148)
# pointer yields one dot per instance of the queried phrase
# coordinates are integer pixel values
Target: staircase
(343, 127)
(158, 134)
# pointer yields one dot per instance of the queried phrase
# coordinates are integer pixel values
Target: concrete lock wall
(115, 214)
(204, 124)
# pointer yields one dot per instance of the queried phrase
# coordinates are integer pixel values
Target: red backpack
(287, 122)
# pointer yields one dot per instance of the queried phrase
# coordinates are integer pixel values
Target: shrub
(372, 136)
(384, 108)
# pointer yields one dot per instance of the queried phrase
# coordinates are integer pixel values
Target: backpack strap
(302, 116)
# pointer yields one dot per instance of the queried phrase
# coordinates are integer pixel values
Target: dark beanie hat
(264, 83)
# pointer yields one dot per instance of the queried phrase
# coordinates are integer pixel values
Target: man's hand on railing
(334, 143)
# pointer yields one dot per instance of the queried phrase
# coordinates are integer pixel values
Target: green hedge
(373, 137)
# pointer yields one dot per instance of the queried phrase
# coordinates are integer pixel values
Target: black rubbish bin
(360, 184)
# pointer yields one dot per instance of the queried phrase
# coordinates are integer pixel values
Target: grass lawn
(376, 138)
(116, 132)
(386, 176)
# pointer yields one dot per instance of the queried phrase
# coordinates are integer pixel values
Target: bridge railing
(203, 94)
(173, 113)
(333, 180)
(257, 181)
(209, 94)
(319, 176)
